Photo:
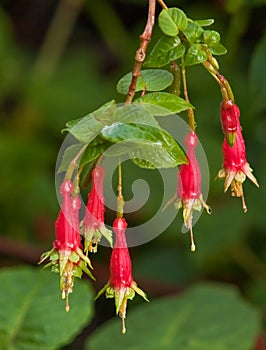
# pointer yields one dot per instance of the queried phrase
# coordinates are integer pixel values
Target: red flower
(188, 194)
(121, 285)
(93, 223)
(229, 118)
(66, 257)
(235, 166)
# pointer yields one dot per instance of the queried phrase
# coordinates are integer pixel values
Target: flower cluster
(108, 126)
(67, 257)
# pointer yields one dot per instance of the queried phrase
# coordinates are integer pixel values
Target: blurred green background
(60, 60)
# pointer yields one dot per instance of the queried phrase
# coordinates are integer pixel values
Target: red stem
(140, 56)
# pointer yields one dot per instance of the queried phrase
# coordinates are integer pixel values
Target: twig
(140, 56)
(163, 5)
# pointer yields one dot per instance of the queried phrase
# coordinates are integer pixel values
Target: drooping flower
(67, 257)
(235, 165)
(189, 196)
(229, 113)
(93, 227)
(121, 284)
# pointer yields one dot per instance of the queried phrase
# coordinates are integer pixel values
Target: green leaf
(134, 113)
(165, 153)
(150, 80)
(207, 316)
(105, 109)
(212, 40)
(69, 154)
(154, 146)
(153, 156)
(193, 32)
(217, 49)
(163, 103)
(172, 20)
(166, 50)
(93, 152)
(32, 313)
(204, 22)
(87, 128)
(211, 37)
(118, 132)
(195, 55)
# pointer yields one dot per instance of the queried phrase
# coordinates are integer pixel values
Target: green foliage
(163, 103)
(193, 32)
(172, 20)
(195, 55)
(135, 126)
(29, 320)
(204, 22)
(134, 113)
(167, 49)
(206, 316)
(183, 38)
(152, 147)
(150, 80)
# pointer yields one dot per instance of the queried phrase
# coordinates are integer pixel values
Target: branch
(140, 56)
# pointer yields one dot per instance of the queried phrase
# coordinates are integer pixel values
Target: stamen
(205, 205)
(123, 326)
(192, 246)
(67, 305)
(244, 207)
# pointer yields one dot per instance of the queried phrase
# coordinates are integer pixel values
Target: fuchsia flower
(93, 223)
(235, 166)
(67, 257)
(188, 194)
(121, 285)
(229, 113)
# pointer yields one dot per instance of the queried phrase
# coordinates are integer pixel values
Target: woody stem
(140, 56)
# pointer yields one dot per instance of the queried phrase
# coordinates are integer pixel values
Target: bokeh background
(60, 60)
